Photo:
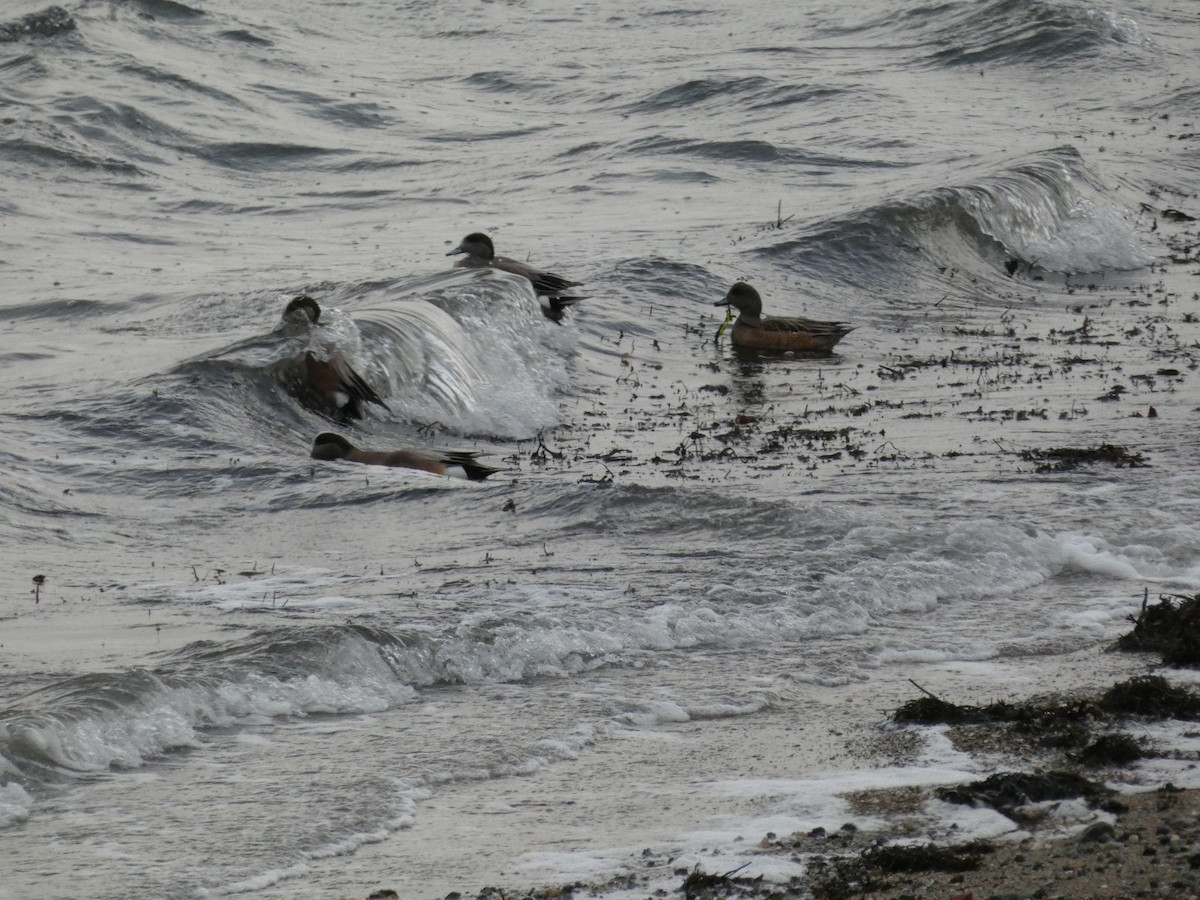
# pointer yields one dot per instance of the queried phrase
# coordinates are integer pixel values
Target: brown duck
(327, 382)
(453, 463)
(755, 331)
(552, 290)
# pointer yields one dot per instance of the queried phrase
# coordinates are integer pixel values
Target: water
(249, 673)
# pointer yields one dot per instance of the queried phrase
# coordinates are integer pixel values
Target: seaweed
(1007, 792)
(926, 857)
(1111, 750)
(1168, 628)
(1068, 724)
(932, 710)
(1153, 697)
(1066, 459)
(845, 878)
(699, 884)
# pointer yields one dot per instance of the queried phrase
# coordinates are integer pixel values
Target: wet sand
(768, 800)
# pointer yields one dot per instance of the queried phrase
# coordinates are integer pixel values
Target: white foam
(782, 806)
(257, 882)
(1091, 239)
(171, 713)
(15, 804)
(1178, 738)
(654, 713)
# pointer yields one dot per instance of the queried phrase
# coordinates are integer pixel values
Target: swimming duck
(453, 463)
(328, 381)
(550, 288)
(754, 331)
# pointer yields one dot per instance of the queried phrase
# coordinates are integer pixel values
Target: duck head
(476, 244)
(329, 446)
(744, 299)
(302, 310)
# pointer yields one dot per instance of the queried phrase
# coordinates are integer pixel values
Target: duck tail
(360, 392)
(472, 468)
(553, 306)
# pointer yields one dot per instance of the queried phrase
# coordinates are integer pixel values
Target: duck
(327, 382)
(754, 331)
(329, 446)
(552, 290)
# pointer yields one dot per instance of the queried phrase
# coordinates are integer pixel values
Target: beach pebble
(1098, 833)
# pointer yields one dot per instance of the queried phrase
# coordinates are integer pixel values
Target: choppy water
(244, 663)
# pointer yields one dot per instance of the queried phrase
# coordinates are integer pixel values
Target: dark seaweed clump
(846, 878)
(1170, 627)
(700, 884)
(931, 710)
(1068, 724)
(1066, 459)
(1151, 696)
(1006, 792)
(1111, 750)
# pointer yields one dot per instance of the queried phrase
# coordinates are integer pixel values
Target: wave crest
(50, 22)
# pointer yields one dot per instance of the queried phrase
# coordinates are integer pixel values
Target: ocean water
(247, 673)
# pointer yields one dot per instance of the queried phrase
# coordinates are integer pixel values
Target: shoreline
(787, 824)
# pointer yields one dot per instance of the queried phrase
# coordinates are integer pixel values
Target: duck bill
(724, 302)
(457, 250)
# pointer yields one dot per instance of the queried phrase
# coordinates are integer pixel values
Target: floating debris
(1064, 459)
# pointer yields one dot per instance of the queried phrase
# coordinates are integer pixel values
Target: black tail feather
(359, 390)
(468, 459)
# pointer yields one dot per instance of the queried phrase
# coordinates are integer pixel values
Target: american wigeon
(754, 331)
(551, 289)
(328, 382)
(453, 463)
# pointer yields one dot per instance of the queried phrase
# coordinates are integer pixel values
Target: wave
(151, 74)
(767, 575)
(464, 353)
(57, 309)
(119, 721)
(97, 722)
(251, 156)
(1043, 214)
(792, 577)
(50, 22)
(168, 9)
(700, 90)
(467, 350)
(46, 144)
(113, 721)
(752, 151)
(412, 349)
(503, 82)
(1041, 33)
(753, 92)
